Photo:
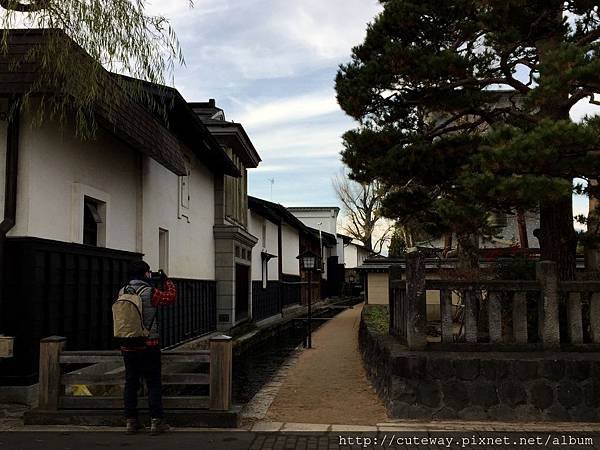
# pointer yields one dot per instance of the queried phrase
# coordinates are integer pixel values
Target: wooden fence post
(395, 274)
(549, 330)
(220, 373)
(49, 386)
(416, 318)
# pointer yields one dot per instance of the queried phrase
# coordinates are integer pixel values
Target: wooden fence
(106, 368)
(494, 314)
(66, 289)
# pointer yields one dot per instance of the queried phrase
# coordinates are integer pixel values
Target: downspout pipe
(10, 189)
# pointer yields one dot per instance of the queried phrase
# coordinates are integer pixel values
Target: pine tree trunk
(468, 254)
(522, 224)
(558, 240)
(592, 249)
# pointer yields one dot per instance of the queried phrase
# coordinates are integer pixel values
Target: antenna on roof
(272, 181)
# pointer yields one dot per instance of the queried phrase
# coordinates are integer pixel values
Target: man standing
(142, 357)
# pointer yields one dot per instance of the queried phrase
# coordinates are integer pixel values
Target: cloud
(271, 64)
(288, 110)
(326, 28)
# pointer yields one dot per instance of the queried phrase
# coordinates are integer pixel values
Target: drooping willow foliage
(119, 35)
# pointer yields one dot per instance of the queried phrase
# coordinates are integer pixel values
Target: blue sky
(271, 64)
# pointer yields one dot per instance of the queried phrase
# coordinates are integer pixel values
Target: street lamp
(309, 262)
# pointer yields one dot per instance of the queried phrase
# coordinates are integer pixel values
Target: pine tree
(464, 109)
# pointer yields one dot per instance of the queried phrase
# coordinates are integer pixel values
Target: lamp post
(309, 263)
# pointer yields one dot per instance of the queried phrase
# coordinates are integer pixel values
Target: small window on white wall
(163, 250)
(94, 222)
(184, 193)
(265, 272)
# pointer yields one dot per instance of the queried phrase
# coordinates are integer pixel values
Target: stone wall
(550, 386)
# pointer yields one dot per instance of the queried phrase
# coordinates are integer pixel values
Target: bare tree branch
(361, 205)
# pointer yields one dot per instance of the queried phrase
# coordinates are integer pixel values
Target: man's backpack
(128, 318)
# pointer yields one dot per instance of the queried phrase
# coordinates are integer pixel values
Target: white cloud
(288, 110)
(326, 28)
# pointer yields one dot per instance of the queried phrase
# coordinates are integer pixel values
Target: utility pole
(272, 181)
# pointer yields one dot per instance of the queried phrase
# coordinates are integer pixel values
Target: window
(163, 250)
(236, 194)
(265, 272)
(264, 234)
(184, 193)
(94, 226)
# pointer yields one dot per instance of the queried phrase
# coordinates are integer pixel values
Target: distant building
(323, 219)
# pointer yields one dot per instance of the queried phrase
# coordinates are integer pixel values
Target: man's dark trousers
(143, 364)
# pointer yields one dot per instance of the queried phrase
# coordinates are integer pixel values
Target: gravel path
(328, 383)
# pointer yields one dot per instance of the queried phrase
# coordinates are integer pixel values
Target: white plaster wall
(271, 246)
(191, 243)
(378, 289)
(290, 243)
(56, 170)
(327, 252)
(312, 218)
(351, 256)
(339, 251)
(54, 165)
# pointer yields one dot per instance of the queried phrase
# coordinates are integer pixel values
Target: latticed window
(236, 194)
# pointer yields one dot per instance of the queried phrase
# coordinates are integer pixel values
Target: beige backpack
(128, 321)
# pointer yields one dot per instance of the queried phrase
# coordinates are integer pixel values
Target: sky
(271, 65)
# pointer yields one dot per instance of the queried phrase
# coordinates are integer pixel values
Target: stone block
(583, 413)
(445, 414)
(494, 369)
(401, 390)
(527, 413)
(466, 369)
(502, 413)
(591, 393)
(429, 394)
(552, 369)
(440, 368)
(483, 394)
(419, 412)
(473, 413)
(557, 412)
(414, 367)
(398, 410)
(455, 395)
(525, 370)
(512, 393)
(595, 369)
(569, 394)
(578, 370)
(542, 394)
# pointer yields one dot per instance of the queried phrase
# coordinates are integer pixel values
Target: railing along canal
(106, 368)
(495, 314)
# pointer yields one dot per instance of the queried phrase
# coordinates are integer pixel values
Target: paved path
(328, 383)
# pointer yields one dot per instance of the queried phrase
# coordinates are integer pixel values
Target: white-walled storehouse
(323, 220)
(276, 273)
(78, 211)
(354, 255)
(233, 241)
